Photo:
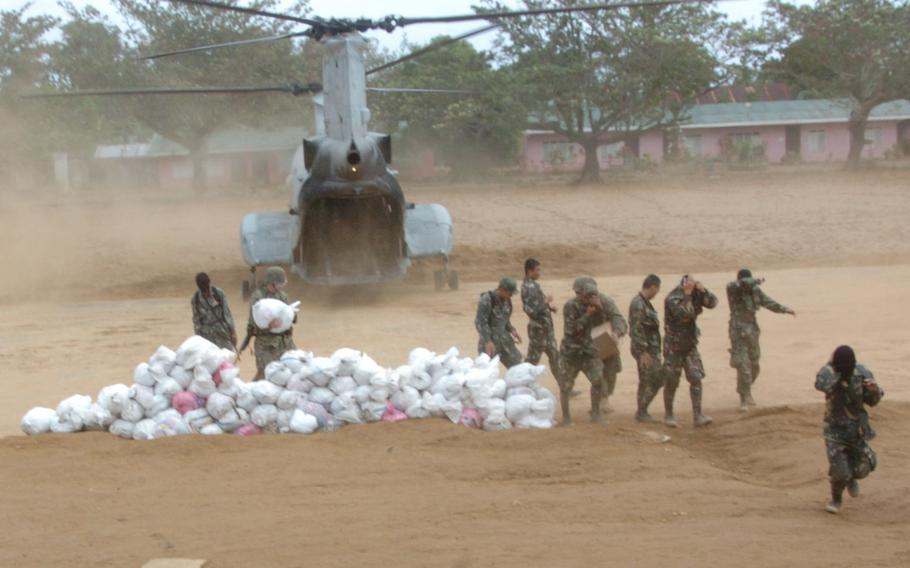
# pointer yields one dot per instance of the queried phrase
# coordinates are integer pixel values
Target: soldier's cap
(508, 284)
(585, 285)
(275, 275)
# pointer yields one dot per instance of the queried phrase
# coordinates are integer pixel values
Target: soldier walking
(212, 318)
(269, 346)
(848, 387)
(745, 298)
(588, 309)
(644, 331)
(497, 335)
(540, 310)
(682, 306)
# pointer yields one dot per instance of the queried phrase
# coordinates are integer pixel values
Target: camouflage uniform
(745, 298)
(847, 428)
(612, 365)
(681, 346)
(492, 323)
(212, 318)
(644, 331)
(268, 346)
(541, 335)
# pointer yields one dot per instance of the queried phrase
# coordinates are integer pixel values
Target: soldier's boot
(697, 417)
(836, 502)
(743, 404)
(750, 401)
(564, 406)
(853, 488)
(669, 418)
(645, 396)
(596, 396)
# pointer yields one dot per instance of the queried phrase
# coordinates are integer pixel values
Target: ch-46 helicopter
(348, 221)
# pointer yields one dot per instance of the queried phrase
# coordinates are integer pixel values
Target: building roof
(770, 113)
(231, 141)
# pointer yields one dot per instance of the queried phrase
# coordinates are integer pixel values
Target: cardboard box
(604, 342)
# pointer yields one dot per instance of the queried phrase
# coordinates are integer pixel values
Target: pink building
(808, 130)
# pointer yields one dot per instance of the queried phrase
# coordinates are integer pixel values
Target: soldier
(539, 307)
(682, 306)
(745, 298)
(497, 335)
(577, 352)
(848, 386)
(644, 331)
(212, 317)
(269, 346)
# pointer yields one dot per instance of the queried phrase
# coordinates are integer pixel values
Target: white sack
(324, 369)
(519, 407)
(159, 404)
(288, 400)
(218, 405)
(143, 395)
(347, 360)
(264, 415)
(142, 376)
(366, 369)
(303, 423)
(132, 411)
(122, 428)
(267, 310)
(114, 397)
(69, 408)
(145, 430)
(322, 396)
(95, 417)
(167, 388)
(211, 430)
(38, 420)
(362, 394)
(300, 382)
(523, 374)
(163, 359)
(245, 398)
(341, 385)
(202, 384)
(192, 351)
(181, 375)
(266, 392)
(277, 373)
(373, 411)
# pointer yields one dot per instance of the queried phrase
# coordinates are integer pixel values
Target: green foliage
(469, 133)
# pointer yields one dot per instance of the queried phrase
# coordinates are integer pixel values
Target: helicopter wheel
(439, 279)
(453, 280)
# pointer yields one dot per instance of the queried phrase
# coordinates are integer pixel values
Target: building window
(610, 152)
(874, 137)
(692, 145)
(815, 141)
(747, 139)
(557, 151)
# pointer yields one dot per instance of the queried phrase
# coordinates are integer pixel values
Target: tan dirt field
(94, 283)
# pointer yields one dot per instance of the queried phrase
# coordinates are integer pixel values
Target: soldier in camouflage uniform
(269, 346)
(497, 335)
(587, 310)
(644, 331)
(212, 317)
(848, 387)
(745, 298)
(682, 306)
(539, 308)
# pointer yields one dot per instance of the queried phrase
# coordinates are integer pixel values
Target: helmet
(508, 284)
(275, 275)
(585, 285)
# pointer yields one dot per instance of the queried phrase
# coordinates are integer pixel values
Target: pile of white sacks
(197, 389)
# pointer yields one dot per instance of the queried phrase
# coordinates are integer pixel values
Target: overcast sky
(745, 9)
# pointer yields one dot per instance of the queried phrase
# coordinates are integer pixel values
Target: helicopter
(348, 222)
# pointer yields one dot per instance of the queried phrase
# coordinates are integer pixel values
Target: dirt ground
(94, 283)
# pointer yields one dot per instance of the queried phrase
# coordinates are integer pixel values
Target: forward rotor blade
(401, 22)
(222, 45)
(410, 90)
(433, 47)
(292, 89)
(242, 10)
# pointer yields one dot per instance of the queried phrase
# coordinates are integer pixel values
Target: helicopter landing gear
(444, 277)
(246, 289)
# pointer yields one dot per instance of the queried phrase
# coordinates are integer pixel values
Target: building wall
(253, 168)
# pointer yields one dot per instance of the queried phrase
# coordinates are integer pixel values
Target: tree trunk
(857, 127)
(590, 172)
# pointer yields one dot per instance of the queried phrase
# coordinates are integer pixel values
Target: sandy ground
(94, 283)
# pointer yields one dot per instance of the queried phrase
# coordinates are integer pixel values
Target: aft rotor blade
(222, 45)
(242, 10)
(410, 90)
(540, 11)
(292, 89)
(433, 47)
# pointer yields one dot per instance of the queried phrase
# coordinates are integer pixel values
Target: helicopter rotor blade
(223, 45)
(413, 90)
(401, 22)
(432, 47)
(250, 11)
(294, 89)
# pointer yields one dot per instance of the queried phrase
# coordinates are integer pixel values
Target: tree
(847, 49)
(604, 77)
(97, 54)
(471, 132)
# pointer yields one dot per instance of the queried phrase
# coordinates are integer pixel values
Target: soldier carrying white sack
(269, 346)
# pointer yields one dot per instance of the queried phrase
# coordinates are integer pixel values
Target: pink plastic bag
(392, 414)
(471, 418)
(248, 430)
(185, 401)
(216, 376)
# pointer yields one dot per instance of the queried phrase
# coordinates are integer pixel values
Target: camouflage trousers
(848, 461)
(270, 348)
(509, 355)
(542, 339)
(571, 365)
(612, 367)
(650, 380)
(675, 362)
(745, 353)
